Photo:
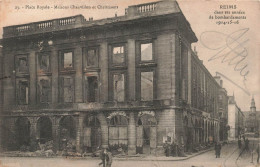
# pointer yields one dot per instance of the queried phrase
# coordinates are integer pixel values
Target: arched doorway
(146, 134)
(44, 129)
(67, 133)
(92, 134)
(22, 132)
(117, 132)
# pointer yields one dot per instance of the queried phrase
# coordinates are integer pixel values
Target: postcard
(129, 83)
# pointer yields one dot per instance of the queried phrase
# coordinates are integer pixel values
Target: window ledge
(67, 71)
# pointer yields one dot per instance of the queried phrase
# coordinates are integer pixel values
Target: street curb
(154, 158)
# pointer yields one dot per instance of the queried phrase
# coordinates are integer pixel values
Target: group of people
(172, 149)
(106, 158)
(246, 143)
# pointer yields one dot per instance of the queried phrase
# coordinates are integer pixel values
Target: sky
(238, 41)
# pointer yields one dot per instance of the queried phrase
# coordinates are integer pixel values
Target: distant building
(236, 119)
(223, 110)
(252, 119)
(129, 81)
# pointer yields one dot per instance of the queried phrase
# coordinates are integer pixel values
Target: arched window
(68, 128)
(147, 120)
(118, 130)
(44, 129)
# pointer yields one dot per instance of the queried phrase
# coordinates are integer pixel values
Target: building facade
(236, 119)
(252, 120)
(129, 81)
(223, 110)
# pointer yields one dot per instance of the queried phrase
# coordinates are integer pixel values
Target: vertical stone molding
(55, 132)
(33, 79)
(104, 130)
(131, 69)
(78, 78)
(104, 71)
(54, 70)
(131, 134)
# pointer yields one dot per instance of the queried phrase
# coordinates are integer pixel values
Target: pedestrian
(102, 156)
(217, 149)
(258, 152)
(109, 158)
(167, 148)
(239, 143)
(247, 144)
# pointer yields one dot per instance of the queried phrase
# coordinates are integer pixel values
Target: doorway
(146, 134)
(92, 134)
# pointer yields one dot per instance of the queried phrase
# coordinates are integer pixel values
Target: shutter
(122, 135)
(139, 136)
(87, 137)
(153, 137)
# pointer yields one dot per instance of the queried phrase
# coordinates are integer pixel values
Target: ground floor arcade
(141, 132)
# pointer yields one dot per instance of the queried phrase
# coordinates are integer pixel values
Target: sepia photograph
(124, 83)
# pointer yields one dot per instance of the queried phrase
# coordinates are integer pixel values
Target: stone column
(78, 77)
(131, 134)
(131, 69)
(55, 133)
(33, 77)
(79, 132)
(33, 129)
(55, 76)
(104, 72)
(104, 130)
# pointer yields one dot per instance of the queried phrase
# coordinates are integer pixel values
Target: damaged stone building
(129, 81)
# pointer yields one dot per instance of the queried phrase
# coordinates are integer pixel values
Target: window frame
(17, 64)
(85, 57)
(39, 86)
(61, 88)
(139, 86)
(18, 96)
(61, 60)
(91, 74)
(39, 70)
(111, 85)
(111, 54)
(139, 51)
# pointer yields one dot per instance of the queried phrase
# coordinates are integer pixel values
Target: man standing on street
(247, 144)
(239, 143)
(217, 149)
(109, 158)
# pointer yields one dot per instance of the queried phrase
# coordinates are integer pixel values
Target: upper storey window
(21, 64)
(91, 56)
(146, 52)
(44, 62)
(66, 60)
(118, 55)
